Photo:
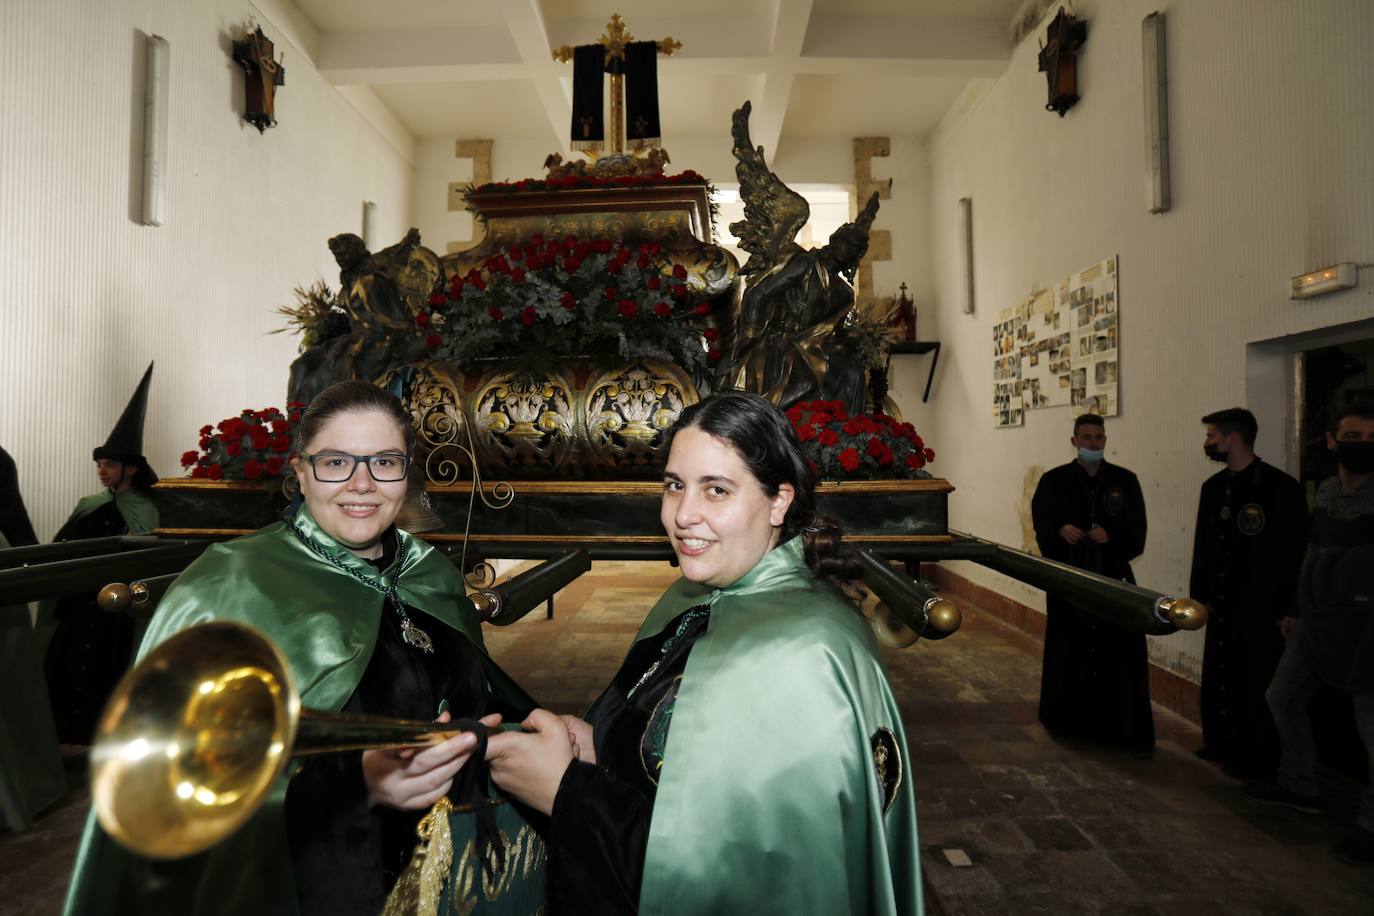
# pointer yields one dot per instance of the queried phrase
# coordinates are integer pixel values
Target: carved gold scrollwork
(524, 428)
(628, 411)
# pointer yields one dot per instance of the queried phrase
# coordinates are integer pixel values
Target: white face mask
(1088, 456)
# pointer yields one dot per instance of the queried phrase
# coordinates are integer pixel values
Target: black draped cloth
(345, 854)
(588, 113)
(599, 832)
(1095, 678)
(641, 92)
(14, 518)
(1247, 552)
(90, 648)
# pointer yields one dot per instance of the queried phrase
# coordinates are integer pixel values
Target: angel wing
(773, 212)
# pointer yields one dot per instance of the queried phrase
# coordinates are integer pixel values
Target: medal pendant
(1225, 513)
(416, 637)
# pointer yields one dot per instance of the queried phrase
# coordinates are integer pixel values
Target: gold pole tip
(944, 616)
(1186, 614)
(115, 597)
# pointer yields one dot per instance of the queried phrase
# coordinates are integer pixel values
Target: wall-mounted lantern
(1059, 60)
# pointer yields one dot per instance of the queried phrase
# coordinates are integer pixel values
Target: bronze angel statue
(795, 299)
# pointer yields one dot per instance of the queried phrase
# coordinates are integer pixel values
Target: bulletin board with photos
(1058, 348)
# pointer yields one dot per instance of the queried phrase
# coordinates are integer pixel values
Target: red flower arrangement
(552, 299)
(863, 447)
(253, 445)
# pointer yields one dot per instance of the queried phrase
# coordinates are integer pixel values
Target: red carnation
(663, 309)
(806, 433)
(849, 460)
(567, 301)
(615, 266)
(214, 472)
(233, 448)
(654, 282)
(601, 246)
(518, 275)
(879, 450)
(570, 264)
(252, 469)
(681, 292)
(496, 313)
(422, 319)
(710, 334)
(643, 260)
(274, 465)
(434, 341)
(529, 315)
(679, 272)
(930, 454)
(829, 437)
(206, 443)
(628, 308)
(610, 293)
(515, 254)
(281, 443)
(914, 461)
(260, 437)
(702, 309)
(853, 427)
(189, 458)
(455, 287)
(436, 299)
(199, 472)
(714, 355)
(206, 430)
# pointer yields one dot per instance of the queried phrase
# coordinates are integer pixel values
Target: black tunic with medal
(599, 831)
(1095, 678)
(1247, 552)
(346, 854)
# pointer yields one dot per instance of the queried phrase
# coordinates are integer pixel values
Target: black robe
(90, 648)
(1247, 552)
(1094, 682)
(345, 854)
(599, 829)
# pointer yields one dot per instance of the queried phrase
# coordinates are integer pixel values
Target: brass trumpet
(195, 735)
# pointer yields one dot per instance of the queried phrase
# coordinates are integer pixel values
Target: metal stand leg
(549, 614)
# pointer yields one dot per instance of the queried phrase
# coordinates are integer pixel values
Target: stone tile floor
(1050, 826)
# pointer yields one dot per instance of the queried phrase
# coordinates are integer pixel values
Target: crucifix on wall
(633, 66)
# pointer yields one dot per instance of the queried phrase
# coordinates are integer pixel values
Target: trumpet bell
(192, 739)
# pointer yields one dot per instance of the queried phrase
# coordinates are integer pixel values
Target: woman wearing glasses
(372, 621)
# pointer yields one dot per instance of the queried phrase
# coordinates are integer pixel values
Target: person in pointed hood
(90, 648)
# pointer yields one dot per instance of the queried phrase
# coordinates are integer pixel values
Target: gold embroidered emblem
(887, 762)
(1250, 519)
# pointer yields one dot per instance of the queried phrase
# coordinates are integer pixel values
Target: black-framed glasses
(336, 467)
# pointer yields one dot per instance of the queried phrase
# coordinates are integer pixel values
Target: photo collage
(1059, 348)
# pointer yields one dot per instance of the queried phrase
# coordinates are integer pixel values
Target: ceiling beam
(418, 56)
(525, 25)
(790, 25)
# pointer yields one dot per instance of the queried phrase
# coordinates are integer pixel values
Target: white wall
(1272, 126)
(89, 296)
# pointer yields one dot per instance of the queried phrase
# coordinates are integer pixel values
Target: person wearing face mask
(371, 620)
(749, 756)
(1330, 634)
(1247, 549)
(1094, 680)
(88, 649)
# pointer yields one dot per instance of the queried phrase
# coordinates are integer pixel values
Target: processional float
(493, 351)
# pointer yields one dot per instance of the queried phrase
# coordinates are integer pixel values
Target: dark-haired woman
(371, 620)
(748, 757)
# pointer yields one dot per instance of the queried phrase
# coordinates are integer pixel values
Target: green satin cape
(768, 800)
(325, 622)
(135, 506)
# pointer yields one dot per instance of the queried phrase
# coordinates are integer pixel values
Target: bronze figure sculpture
(787, 337)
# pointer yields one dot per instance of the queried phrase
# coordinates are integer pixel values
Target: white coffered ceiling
(812, 68)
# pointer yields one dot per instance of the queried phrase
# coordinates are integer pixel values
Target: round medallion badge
(1250, 519)
(1113, 500)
